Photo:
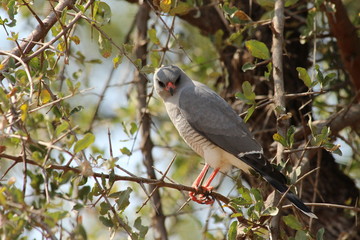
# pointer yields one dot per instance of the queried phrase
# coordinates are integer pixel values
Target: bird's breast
(194, 139)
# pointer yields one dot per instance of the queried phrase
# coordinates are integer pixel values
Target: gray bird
(213, 130)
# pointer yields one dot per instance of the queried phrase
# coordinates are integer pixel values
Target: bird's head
(169, 80)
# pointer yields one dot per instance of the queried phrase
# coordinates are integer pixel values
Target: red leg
(201, 176)
(211, 177)
(203, 198)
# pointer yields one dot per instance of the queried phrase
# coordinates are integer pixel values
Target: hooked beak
(170, 87)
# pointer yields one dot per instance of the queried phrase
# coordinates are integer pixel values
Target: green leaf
(123, 200)
(248, 92)
(250, 111)
(301, 235)
(290, 136)
(11, 9)
(325, 131)
(103, 13)
(128, 48)
(292, 222)
(37, 156)
(267, 4)
(268, 72)
(303, 75)
(231, 235)
(84, 192)
(257, 195)
(258, 49)
(332, 148)
(320, 234)
(78, 206)
(104, 208)
(181, 9)
(138, 63)
(111, 177)
(229, 9)
(69, 84)
(241, 201)
(142, 229)
(278, 138)
(289, 3)
(155, 58)
(248, 66)
(133, 128)
(76, 109)
(245, 193)
(80, 145)
(62, 127)
(236, 38)
(106, 221)
(152, 36)
(105, 46)
(125, 151)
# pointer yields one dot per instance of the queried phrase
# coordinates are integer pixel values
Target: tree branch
(146, 144)
(279, 94)
(347, 40)
(140, 180)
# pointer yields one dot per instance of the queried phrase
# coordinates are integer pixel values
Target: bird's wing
(213, 118)
(209, 114)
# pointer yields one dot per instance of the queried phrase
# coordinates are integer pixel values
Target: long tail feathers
(276, 179)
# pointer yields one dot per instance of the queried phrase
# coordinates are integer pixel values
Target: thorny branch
(155, 182)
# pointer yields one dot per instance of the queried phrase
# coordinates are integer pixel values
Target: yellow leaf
(165, 5)
(24, 112)
(45, 96)
(75, 39)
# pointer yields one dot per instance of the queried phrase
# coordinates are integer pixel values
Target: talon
(203, 198)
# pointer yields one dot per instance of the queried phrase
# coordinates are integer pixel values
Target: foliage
(71, 147)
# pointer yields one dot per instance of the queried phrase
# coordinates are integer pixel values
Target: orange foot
(202, 198)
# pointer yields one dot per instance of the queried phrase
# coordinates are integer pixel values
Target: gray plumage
(212, 128)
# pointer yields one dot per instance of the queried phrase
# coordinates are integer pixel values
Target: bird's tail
(276, 179)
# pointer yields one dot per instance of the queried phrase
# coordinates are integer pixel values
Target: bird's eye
(177, 81)
(161, 84)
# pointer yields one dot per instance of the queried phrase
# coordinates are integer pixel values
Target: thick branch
(279, 92)
(347, 40)
(146, 143)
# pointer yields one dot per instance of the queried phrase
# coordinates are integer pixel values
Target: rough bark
(347, 40)
(146, 144)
